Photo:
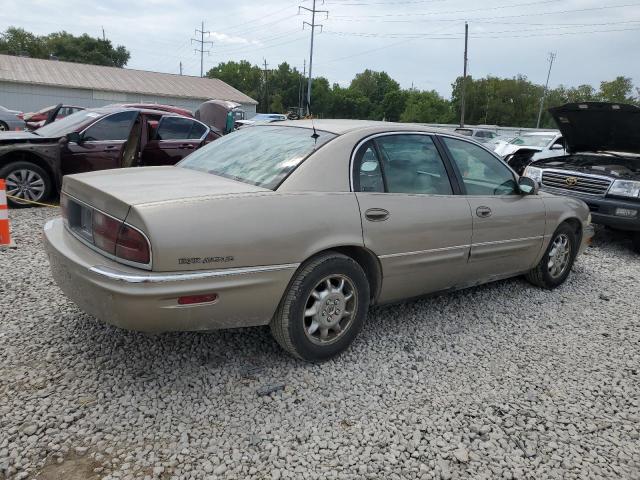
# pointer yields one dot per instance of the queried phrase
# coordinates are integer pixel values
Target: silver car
(303, 226)
(9, 120)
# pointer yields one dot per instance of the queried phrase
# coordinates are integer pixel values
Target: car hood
(599, 126)
(115, 191)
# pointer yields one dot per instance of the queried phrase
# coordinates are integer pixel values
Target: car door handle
(376, 214)
(110, 147)
(186, 145)
(483, 212)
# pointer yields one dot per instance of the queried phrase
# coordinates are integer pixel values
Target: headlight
(625, 188)
(533, 173)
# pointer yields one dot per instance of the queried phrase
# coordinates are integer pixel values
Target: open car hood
(599, 126)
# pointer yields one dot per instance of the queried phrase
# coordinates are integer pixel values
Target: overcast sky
(417, 42)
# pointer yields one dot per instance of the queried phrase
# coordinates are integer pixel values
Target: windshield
(261, 155)
(68, 124)
(533, 140)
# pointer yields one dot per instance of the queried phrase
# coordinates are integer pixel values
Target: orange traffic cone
(5, 236)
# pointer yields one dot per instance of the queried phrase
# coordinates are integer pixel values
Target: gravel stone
(499, 381)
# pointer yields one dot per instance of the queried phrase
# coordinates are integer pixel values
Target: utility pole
(304, 74)
(104, 38)
(552, 57)
(464, 75)
(266, 87)
(202, 43)
(180, 68)
(313, 26)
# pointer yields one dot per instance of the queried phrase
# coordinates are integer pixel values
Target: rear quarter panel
(242, 230)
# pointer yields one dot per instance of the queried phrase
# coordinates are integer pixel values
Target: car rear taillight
(107, 234)
(131, 245)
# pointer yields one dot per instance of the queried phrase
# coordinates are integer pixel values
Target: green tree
(63, 46)
(374, 86)
(618, 90)
(426, 107)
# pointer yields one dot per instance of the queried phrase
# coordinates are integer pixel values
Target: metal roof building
(29, 84)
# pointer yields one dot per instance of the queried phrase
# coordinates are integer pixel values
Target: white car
(545, 144)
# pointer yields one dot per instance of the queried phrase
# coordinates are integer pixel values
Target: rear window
(261, 155)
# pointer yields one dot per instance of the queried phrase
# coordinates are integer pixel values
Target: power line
(313, 26)
(202, 43)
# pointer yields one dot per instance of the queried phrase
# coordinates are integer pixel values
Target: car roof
(340, 127)
(538, 134)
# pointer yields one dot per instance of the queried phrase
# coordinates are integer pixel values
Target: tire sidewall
(337, 265)
(4, 127)
(22, 165)
(571, 234)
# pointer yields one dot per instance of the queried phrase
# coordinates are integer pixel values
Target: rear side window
(178, 128)
(412, 164)
(113, 127)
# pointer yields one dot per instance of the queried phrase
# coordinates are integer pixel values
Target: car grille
(576, 182)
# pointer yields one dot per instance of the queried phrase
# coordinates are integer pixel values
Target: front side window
(113, 127)
(411, 164)
(178, 128)
(262, 155)
(482, 173)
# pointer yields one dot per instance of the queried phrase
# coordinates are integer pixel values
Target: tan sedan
(303, 227)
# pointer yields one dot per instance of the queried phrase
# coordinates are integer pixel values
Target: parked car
(263, 117)
(482, 135)
(523, 149)
(602, 166)
(9, 120)
(157, 106)
(35, 120)
(302, 225)
(33, 163)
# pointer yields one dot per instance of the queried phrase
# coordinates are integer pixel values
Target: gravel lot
(501, 381)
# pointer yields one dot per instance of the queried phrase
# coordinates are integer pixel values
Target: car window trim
(459, 177)
(206, 132)
(453, 181)
(103, 118)
(376, 152)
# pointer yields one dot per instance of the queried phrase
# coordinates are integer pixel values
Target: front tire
(557, 261)
(25, 182)
(324, 308)
(4, 127)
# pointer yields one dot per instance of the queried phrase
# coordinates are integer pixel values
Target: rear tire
(26, 180)
(4, 127)
(323, 309)
(556, 263)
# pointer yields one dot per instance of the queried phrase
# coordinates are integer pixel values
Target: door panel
(423, 244)
(509, 239)
(167, 152)
(508, 227)
(90, 156)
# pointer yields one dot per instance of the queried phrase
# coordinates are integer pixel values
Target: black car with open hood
(602, 166)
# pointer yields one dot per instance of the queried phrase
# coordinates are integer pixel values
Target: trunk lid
(115, 191)
(599, 126)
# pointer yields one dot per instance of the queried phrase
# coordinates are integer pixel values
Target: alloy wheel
(559, 256)
(25, 184)
(330, 309)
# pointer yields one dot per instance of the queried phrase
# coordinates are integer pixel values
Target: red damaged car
(33, 163)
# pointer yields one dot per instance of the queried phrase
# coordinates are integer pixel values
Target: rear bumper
(603, 210)
(147, 301)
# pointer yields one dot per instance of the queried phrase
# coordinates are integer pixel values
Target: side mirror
(74, 137)
(528, 186)
(557, 146)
